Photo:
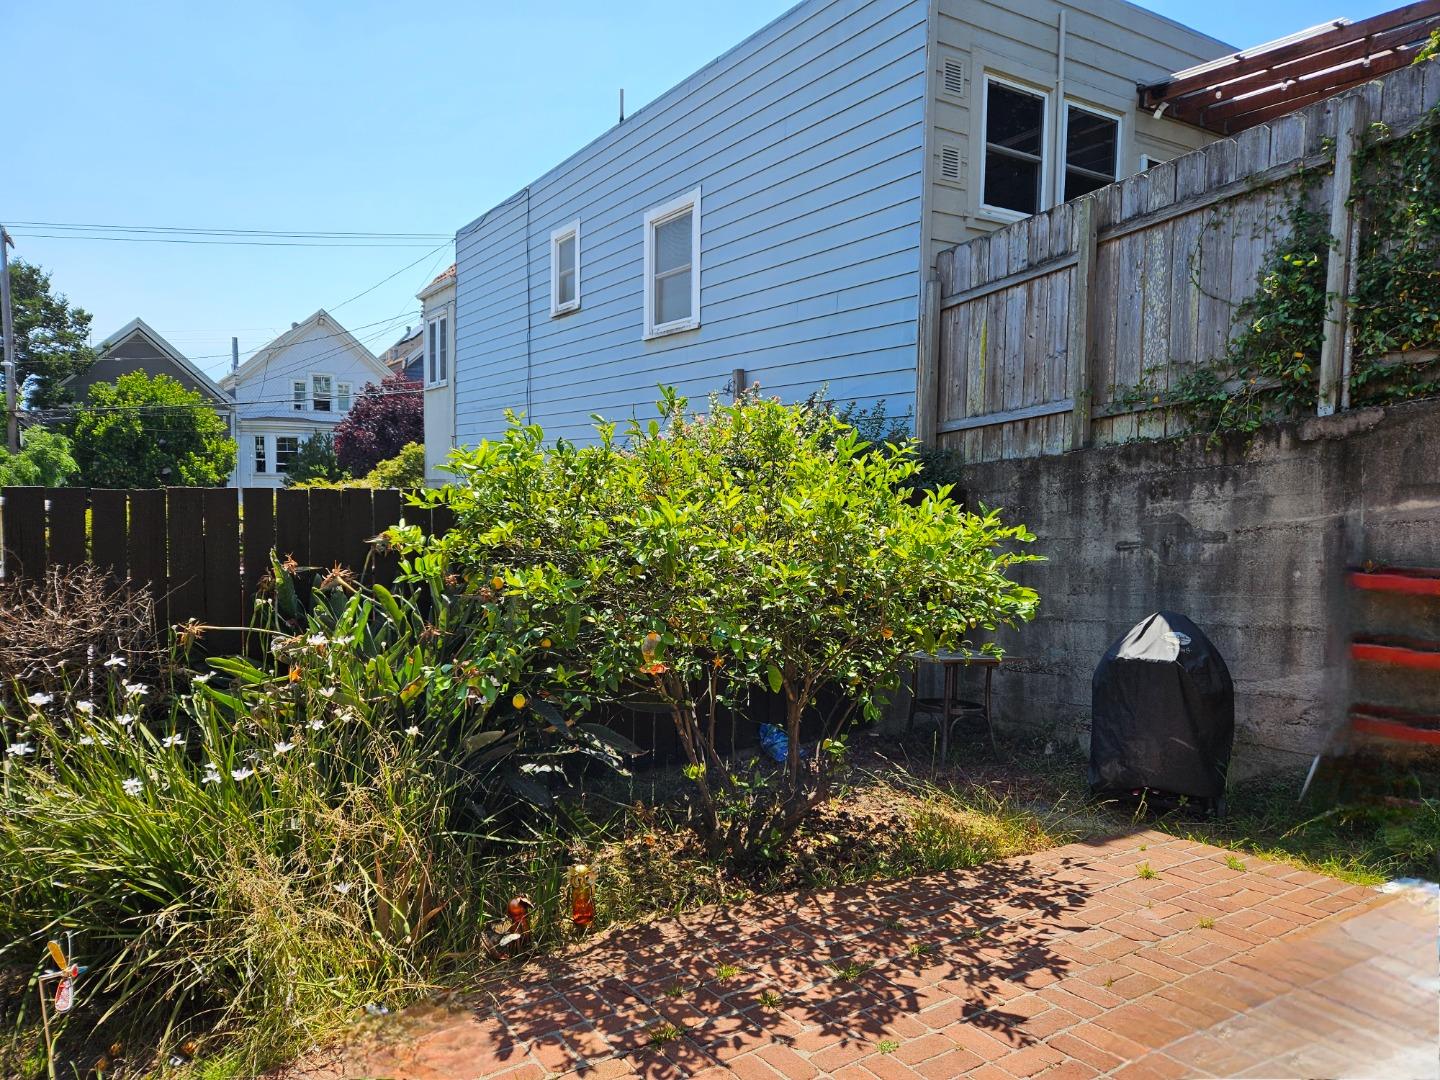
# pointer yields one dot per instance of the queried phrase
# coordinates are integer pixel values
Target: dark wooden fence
(201, 551)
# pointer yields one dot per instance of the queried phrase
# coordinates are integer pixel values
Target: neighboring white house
(778, 212)
(302, 382)
(437, 327)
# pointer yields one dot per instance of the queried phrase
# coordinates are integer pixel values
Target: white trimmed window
(1092, 150)
(1013, 167)
(321, 392)
(286, 447)
(298, 389)
(437, 351)
(565, 269)
(672, 266)
(260, 465)
(342, 397)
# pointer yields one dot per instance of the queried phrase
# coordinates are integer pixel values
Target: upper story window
(672, 266)
(297, 389)
(1092, 150)
(260, 453)
(321, 392)
(342, 397)
(286, 447)
(437, 351)
(1014, 166)
(565, 269)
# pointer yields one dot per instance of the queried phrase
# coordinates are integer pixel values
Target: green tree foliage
(702, 558)
(141, 432)
(315, 461)
(50, 335)
(405, 470)
(44, 460)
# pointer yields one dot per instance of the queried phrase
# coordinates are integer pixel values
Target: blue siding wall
(806, 142)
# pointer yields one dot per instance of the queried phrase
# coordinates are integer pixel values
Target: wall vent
(952, 77)
(950, 163)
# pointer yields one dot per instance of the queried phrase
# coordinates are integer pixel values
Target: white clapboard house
(302, 382)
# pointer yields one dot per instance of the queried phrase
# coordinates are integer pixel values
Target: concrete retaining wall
(1251, 541)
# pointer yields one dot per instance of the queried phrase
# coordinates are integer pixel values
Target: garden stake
(67, 975)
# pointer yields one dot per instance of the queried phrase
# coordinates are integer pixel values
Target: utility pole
(7, 326)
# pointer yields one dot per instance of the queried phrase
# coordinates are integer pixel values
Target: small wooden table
(950, 707)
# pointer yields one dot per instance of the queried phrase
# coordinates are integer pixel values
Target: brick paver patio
(1063, 965)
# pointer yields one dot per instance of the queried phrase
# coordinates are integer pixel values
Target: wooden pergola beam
(1230, 117)
(1210, 76)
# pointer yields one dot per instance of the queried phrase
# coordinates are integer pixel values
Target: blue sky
(355, 116)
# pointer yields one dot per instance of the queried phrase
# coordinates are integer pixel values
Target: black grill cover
(1163, 712)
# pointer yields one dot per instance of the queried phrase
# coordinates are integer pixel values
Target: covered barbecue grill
(1163, 714)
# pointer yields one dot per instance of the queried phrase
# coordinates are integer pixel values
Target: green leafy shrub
(703, 558)
(143, 432)
(315, 460)
(405, 470)
(44, 460)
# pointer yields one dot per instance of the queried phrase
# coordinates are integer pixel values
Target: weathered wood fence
(1069, 328)
(201, 551)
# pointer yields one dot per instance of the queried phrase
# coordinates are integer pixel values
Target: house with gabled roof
(137, 346)
(301, 383)
(775, 217)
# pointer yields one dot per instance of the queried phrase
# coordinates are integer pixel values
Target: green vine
(1269, 371)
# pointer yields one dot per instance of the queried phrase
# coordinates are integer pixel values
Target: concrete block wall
(1251, 540)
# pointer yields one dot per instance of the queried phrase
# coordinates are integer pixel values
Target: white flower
(319, 641)
(86, 707)
(343, 887)
(19, 749)
(284, 747)
(212, 775)
(202, 679)
(412, 731)
(173, 740)
(132, 786)
(327, 691)
(38, 699)
(316, 724)
(136, 689)
(241, 774)
(86, 740)
(115, 660)
(125, 719)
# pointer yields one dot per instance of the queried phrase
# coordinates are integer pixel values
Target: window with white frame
(672, 266)
(1092, 150)
(565, 269)
(1148, 161)
(297, 388)
(437, 351)
(286, 447)
(260, 453)
(342, 397)
(1014, 160)
(321, 388)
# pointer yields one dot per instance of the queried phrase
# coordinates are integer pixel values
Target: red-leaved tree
(383, 420)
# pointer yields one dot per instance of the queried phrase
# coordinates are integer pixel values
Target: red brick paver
(1063, 966)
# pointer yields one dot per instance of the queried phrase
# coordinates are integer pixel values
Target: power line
(382, 281)
(393, 320)
(291, 233)
(221, 243)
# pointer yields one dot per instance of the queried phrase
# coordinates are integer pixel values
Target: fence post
(1334, 364)
(927, 390)
(1078, 337)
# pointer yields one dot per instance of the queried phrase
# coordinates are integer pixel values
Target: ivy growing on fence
(1270, 370)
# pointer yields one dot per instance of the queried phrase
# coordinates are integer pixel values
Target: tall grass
(278, 844)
